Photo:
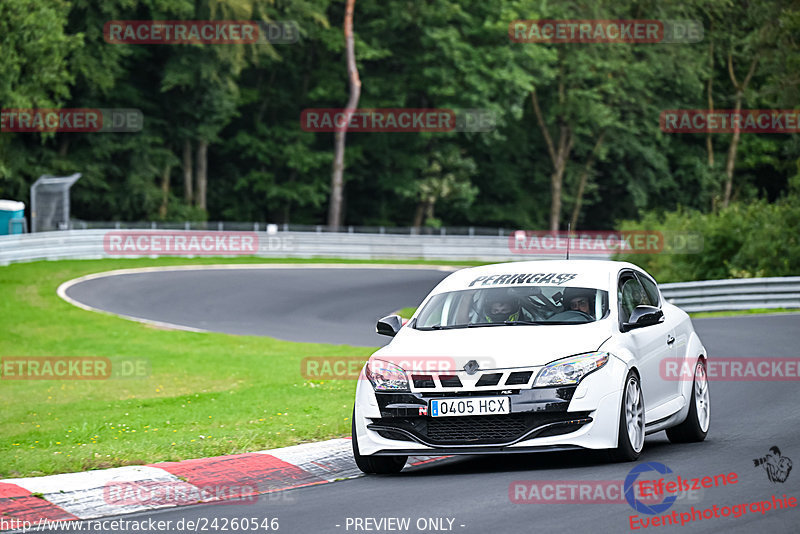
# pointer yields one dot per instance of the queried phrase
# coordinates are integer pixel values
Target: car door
(678, 335)
(650, 344)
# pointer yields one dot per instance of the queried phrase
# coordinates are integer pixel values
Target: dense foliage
(237, 108)
(744, 240)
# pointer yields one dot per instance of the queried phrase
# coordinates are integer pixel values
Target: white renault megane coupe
(531, 356)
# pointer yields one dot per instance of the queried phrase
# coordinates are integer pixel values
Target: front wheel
(378, 465)
(695, 427)
(630, 440)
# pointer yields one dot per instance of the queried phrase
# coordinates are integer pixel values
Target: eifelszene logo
(638, 505)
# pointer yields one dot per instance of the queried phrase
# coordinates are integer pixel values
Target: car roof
(601, 274)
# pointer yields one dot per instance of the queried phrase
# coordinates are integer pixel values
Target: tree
(447, 178)
(225, 118)
(34, 52)
(743, 48)
(337, 175)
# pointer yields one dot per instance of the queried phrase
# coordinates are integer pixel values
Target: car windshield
(528, 305)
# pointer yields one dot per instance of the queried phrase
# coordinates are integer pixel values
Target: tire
(631, 415)
(695, 427)
(375, 465)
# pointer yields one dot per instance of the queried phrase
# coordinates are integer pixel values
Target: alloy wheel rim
(634, 414)
(701, 397)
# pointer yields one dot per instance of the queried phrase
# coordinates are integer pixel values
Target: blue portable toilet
(12, 217)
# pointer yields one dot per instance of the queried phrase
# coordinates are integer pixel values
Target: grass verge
(206, 394)
(406, 313)
(754, 311)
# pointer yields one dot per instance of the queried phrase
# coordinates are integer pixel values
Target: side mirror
(642, 316)
(389, 325)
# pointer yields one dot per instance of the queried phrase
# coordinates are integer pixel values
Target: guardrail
(88, 244)
(282, 227)
(737, 294)
(709, 295)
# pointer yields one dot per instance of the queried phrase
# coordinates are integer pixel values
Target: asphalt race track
(302, 303)
(747, 419)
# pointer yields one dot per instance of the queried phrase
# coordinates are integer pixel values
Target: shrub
(749, 240)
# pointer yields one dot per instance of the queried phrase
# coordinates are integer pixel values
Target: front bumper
(553, 418)
(534, 413)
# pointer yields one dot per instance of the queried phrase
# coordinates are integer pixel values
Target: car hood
(494, 347)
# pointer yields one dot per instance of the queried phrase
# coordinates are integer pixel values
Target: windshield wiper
(478, 325)
(523, 323)
(504, 323)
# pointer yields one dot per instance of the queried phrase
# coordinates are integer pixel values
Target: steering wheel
(568, 315)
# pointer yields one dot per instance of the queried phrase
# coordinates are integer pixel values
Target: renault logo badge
(471, 367)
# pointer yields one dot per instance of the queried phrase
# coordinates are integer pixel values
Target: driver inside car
(579, 304)
(579, 300)
(501, 306)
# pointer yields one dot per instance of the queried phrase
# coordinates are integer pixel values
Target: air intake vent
(517, 378)
(490, 379)
(423, 381)
(450, 381)
(476, 428)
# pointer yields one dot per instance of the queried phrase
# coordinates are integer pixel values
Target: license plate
(470, 406)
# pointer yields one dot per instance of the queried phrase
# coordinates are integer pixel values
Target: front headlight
(570, 371)
(386, 376)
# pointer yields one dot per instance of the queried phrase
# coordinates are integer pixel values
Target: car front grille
(466, 429)
(478, 430)
(423, 381)
(483, 380)
(489, 379)
(519, 378)
(450, 381)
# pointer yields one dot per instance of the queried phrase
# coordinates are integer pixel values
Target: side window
(631, 294)
(651, 289)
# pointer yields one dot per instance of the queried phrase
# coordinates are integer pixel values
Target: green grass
(754, 311)
(406, 313)
(206, 395)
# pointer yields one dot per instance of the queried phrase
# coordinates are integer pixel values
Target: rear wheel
(378, 465)
(630, 440)
(695, 427)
